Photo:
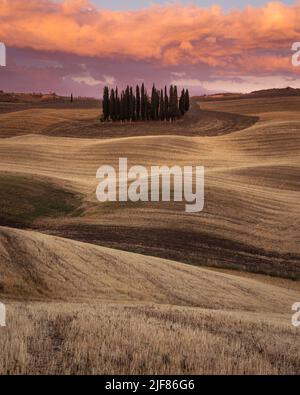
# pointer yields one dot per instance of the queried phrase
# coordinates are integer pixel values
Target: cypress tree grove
(135, 106)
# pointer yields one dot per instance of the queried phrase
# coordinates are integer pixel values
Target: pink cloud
(251, 40)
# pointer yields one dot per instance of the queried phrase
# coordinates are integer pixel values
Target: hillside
(252, 191)
(70, 301)
(35, 266)
(87, 285)
(11, 102)
(264, 93)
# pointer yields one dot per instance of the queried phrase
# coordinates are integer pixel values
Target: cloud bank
(249, 41)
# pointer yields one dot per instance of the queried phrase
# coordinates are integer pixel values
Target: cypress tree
(157, 95)
(146, 104)
(106, 105)
(175, 103)
(117, 105)
(161, 106)
(148, 107)
(166, 100)
(153, 103)
(133, 117)
(122, 115)
(187, 101)
(112, 105)
(131, 104)
(182, 103)
(138, 103)
(143, 103)
(171, 103)
(127, 104)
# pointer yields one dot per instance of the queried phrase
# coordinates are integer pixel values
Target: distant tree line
(136, 105)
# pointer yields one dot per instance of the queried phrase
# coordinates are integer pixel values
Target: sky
(79, 46)
(227, 5)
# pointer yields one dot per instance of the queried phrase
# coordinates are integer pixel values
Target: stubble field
(136, 288)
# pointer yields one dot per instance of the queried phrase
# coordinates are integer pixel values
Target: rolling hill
(75, 308)
(93, 287)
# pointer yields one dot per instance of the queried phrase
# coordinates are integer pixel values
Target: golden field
(146, 288)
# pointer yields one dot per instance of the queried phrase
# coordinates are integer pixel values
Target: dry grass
(38, 267)
(36, 120)
(84, 123)
(142, 339)
(94, 310)
(251, 213)
(24, 199)
(255, 106)
(81, 308)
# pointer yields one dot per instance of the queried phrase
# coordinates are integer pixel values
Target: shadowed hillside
(36, 266)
